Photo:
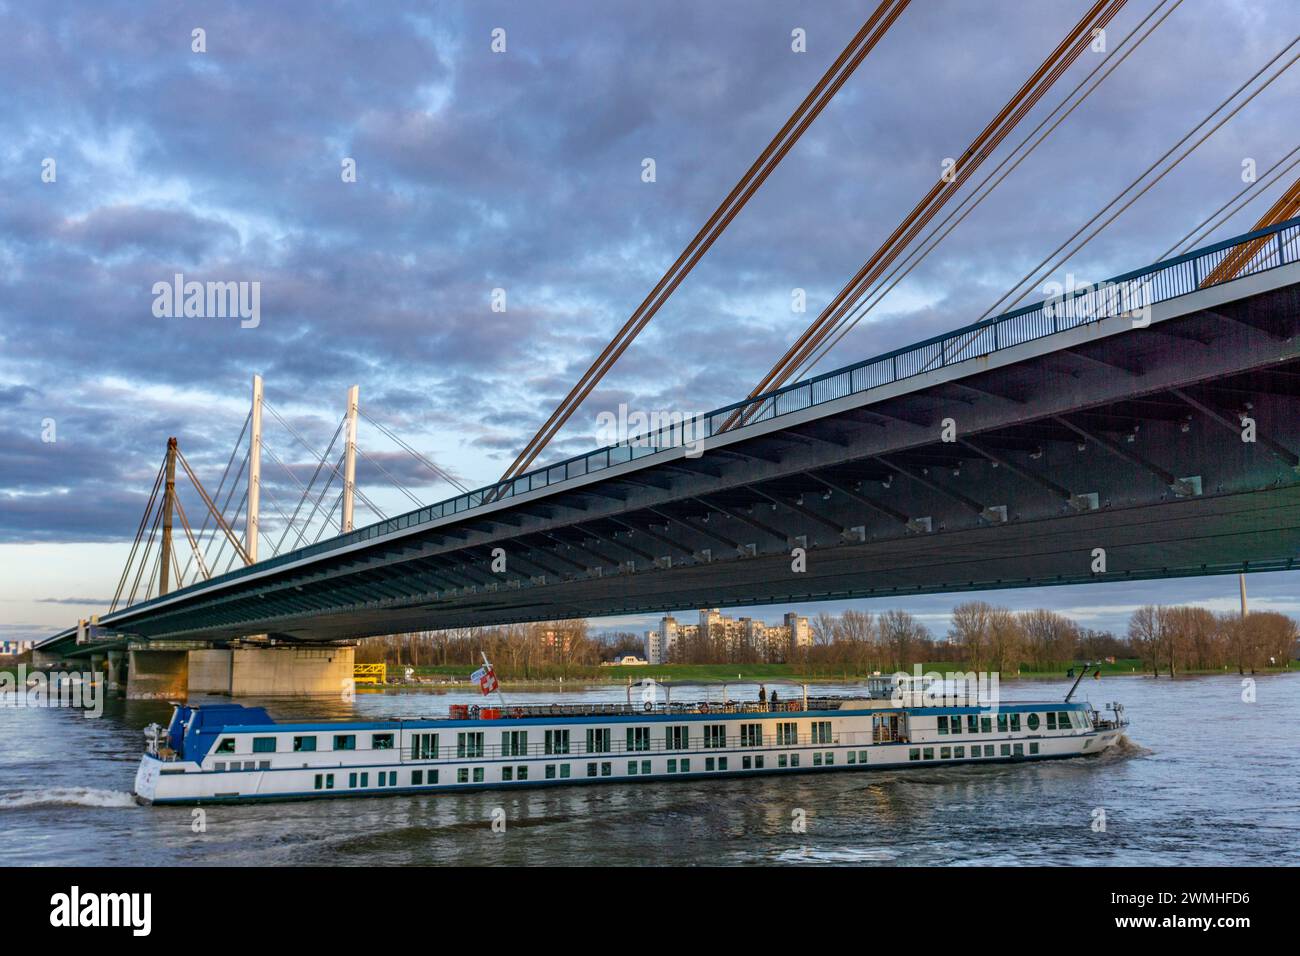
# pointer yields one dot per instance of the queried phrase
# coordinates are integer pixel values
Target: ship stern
(146, 780)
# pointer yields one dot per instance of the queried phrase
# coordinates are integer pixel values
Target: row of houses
(767, 639)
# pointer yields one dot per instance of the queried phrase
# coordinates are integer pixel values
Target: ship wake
(65, 797)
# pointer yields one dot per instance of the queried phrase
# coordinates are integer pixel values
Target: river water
(1204, 778)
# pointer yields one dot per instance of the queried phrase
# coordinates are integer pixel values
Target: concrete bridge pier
(159, 670)
(274, 671)
(116, 672)
(278, 671)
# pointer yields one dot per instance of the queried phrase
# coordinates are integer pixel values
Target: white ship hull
(263, 760)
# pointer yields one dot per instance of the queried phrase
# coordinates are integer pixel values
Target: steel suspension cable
(432, 467)
(222, 483)
(396, 484)
(1198, 233)
(1014, 295)
(310, 485)
(954, 218)
(1043, 78)
(355, 490)
(144, 520)
(877, 24)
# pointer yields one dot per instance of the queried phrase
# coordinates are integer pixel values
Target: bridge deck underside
(1130, 443)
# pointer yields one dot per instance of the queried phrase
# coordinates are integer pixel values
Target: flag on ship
(486, 678)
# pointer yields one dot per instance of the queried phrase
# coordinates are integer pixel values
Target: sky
(521, 170)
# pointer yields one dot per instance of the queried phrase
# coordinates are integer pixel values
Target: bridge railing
(1126, 294)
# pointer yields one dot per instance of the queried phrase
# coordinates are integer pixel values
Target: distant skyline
(521, 171)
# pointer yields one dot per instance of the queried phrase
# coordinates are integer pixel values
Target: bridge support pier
(291, 671)
(116, 672)
(280, 671)
(159, 670)
(45, 660)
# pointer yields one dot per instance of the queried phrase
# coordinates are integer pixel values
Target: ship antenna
(1083, 670)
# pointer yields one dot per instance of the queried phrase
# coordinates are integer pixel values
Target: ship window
(1019, 750)
(862, 756)
(521, 773)
(564, 771)
(787, 734)
(469, 744)
(1006, 750)
(638, 738)
(1002, 723)
(1033, 747)
(591, 770)
(478, 774)
(853, 757)
(708, 763)
(381, 741)
(557, 741)
(631, 766)
(550, 771)
(1063, 721)
(955, 724)
(218, 766)
(645, 766)
(1032, 721)
(345, 742)
(817, 758)
(945, 753)
(959, 751)
(751, 735)
(672, 765)
(352, 780)
(914, 753)
(722, 763)
(943, 725)
(746, 763)
(1051, 720)
(781, 760)
(417, 778)
(365, 779)
(598, 740)
(606, 769)
(830, 758)
(507, 773)
(264, 765)
(462, 775)
(715, 735)
(1015, 722)
(677, 738)
(424, 746)
(319, 780)
(686, 765)
(433, 776)
(383, 778)
(988, 750)
(263, 745)
(329, 781)
(794, 760)
(304, 744)
(972, 724)
(986, 725)
(927, 753)
(227, 746)
(514, 743)
(821, 732)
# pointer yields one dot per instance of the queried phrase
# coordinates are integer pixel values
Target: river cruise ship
(228, 752)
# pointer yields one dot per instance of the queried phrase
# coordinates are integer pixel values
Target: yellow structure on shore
(370, 673)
